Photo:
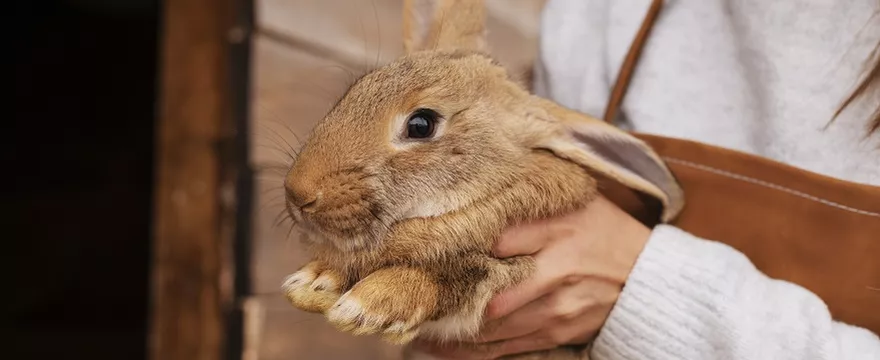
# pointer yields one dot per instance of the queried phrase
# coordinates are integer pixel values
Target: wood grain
(192, 278)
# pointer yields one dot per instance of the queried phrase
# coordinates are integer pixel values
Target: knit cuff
(669, 308)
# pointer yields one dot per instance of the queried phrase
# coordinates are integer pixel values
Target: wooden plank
(363, 34)
(196, 195)
(277, 333)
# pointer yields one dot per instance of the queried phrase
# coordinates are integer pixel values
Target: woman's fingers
(552, 262)
(546, 278)
(523, 321)
(527, 343)
(523, 344)
(524, 239)
(590, 297)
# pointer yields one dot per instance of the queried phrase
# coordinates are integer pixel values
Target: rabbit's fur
(401, 230)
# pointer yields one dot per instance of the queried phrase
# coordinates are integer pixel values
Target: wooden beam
(197, 189)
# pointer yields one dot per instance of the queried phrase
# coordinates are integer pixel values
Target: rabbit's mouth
(350, 223)
(339, 207)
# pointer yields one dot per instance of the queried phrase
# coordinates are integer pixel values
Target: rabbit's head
(440, 128)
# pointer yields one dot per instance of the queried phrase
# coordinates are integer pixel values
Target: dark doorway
(78, 202)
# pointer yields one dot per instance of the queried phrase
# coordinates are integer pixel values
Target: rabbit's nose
(303, 194)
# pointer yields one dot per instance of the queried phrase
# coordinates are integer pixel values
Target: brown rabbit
(406, 183)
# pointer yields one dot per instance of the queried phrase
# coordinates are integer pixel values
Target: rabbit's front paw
(314, 288)
(390, 302)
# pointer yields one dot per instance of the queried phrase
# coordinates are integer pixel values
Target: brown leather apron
(815, 231)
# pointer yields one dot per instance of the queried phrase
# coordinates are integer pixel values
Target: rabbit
(403, 187)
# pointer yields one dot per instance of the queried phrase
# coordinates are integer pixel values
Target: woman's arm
(686, 297)
(689, 298)
(651, 294)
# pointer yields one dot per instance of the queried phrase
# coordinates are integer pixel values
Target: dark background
(78, 171)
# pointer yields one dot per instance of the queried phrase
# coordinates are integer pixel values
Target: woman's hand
(583, 260)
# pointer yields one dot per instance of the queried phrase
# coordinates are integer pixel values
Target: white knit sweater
(758, 76)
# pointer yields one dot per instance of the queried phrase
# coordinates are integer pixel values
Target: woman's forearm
(688, 298)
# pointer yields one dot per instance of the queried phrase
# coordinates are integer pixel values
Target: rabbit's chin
(343, 244)
(347, 240)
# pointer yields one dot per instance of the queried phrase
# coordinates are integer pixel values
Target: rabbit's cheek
(346, 218)
(430, 207)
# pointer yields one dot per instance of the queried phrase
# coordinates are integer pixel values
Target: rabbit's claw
(314, 288)
(383, 305)
(397, 325)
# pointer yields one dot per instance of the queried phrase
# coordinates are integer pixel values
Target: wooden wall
(202, 181)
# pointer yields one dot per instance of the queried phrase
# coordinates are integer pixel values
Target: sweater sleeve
(689, 298)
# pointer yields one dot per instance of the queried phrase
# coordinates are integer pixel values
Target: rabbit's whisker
(378, 35)
(270, 189)
(276, 149)
(284, 214)
(439, 31)
(278, 136)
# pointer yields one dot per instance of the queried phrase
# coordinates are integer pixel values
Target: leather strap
(781, 217)
(629, 63)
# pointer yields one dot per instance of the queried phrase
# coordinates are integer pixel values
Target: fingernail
(491, 311)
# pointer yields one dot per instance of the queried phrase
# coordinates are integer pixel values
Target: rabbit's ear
(619, 156)
(443, 25)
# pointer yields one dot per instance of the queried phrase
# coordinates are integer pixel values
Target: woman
(762, 77)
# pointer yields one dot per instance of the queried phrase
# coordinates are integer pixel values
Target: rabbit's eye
(420, 124)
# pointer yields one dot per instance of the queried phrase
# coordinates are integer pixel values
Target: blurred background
(118, 251)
